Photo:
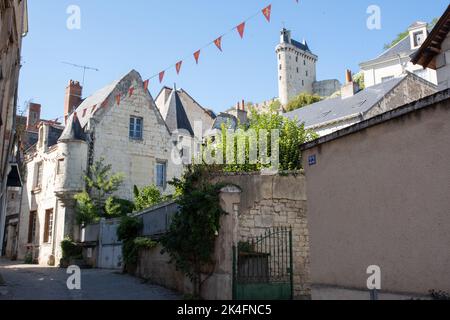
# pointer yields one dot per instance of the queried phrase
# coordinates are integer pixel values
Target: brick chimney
(350, 88)
(34, 117)
(73, 98)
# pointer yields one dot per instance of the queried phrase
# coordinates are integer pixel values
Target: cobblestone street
(31, 282)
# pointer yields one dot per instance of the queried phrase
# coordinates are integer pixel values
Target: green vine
(191, 238)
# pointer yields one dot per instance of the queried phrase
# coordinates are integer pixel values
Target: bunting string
(218, 42)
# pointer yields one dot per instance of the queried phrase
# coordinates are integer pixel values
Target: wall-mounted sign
(312, 160)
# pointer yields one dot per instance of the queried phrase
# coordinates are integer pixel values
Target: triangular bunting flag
(267, 11)
(118, 99)
(161, 76)
(178, 66)
(146, 82)
(84, 113)
(240, 29)
(218, 43)
(130, 91)
(197, 56)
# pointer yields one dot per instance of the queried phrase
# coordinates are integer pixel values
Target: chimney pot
(73, 99)
(348, 76)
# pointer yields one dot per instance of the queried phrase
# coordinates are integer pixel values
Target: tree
(191, 239)
(147, 197)
(97, 200)
(302, 100)
(291, 136)
(359, 79)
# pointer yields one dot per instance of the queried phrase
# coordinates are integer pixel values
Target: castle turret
(296, 67)
(72, 164)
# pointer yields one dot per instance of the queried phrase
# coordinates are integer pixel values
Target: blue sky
(149, 35)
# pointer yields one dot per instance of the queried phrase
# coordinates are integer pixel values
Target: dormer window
(418, 38)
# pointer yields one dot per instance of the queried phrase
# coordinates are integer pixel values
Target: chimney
(34, 117)
(350, 88)
(73, 98)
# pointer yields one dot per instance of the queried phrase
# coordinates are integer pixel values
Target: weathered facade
(13, 27)
(378, 194)
(255, 203)
(127, 132)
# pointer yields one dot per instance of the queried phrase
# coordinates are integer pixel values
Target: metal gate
(262, 267)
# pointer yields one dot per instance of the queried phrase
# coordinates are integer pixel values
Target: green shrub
(115, 207)
(147, 197)
(127, 232)
(70, 250)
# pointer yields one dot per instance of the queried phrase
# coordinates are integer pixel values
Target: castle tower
(71, 167)
(296, 67)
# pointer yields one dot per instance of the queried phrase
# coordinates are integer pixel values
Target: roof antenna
(81, 67)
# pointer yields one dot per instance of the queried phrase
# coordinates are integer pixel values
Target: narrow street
(31, 282)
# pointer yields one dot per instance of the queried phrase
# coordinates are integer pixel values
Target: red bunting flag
(197, 56)
(267, 11)
(240, 29)
(146, 82)
(118, 99)
(130, 91)
(161, 76)
(178, 66)
(84, 113)
(218, 43)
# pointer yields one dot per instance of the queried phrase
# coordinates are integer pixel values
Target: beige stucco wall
(380, 197)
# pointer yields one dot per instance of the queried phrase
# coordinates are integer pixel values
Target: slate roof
(175, 115)
(336, 109)
(402, 48)
(73, 130)
(300, 45)
(95, 99)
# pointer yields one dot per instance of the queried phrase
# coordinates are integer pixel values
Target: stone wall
(275, 201)
(254, 204)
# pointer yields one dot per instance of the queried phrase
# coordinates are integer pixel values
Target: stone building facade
(13, 27)
(120, 124)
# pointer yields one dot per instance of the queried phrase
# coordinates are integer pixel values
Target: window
(48, 230)
(32, 227)
(60, 166)
(297, 69)
(306, 73)
(418, 38)
(304, 62)
(280, 67)
(13, 195)
(296, 59)
(39, 170)
(303, 82)
(136, 128)
(161, 174)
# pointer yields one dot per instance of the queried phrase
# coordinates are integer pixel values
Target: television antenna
(81, 67)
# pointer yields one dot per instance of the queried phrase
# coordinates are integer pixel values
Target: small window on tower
(306, 72)
(280, 67)
(296, 59)
(297, 69)
(303, 82)
(304, 62)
